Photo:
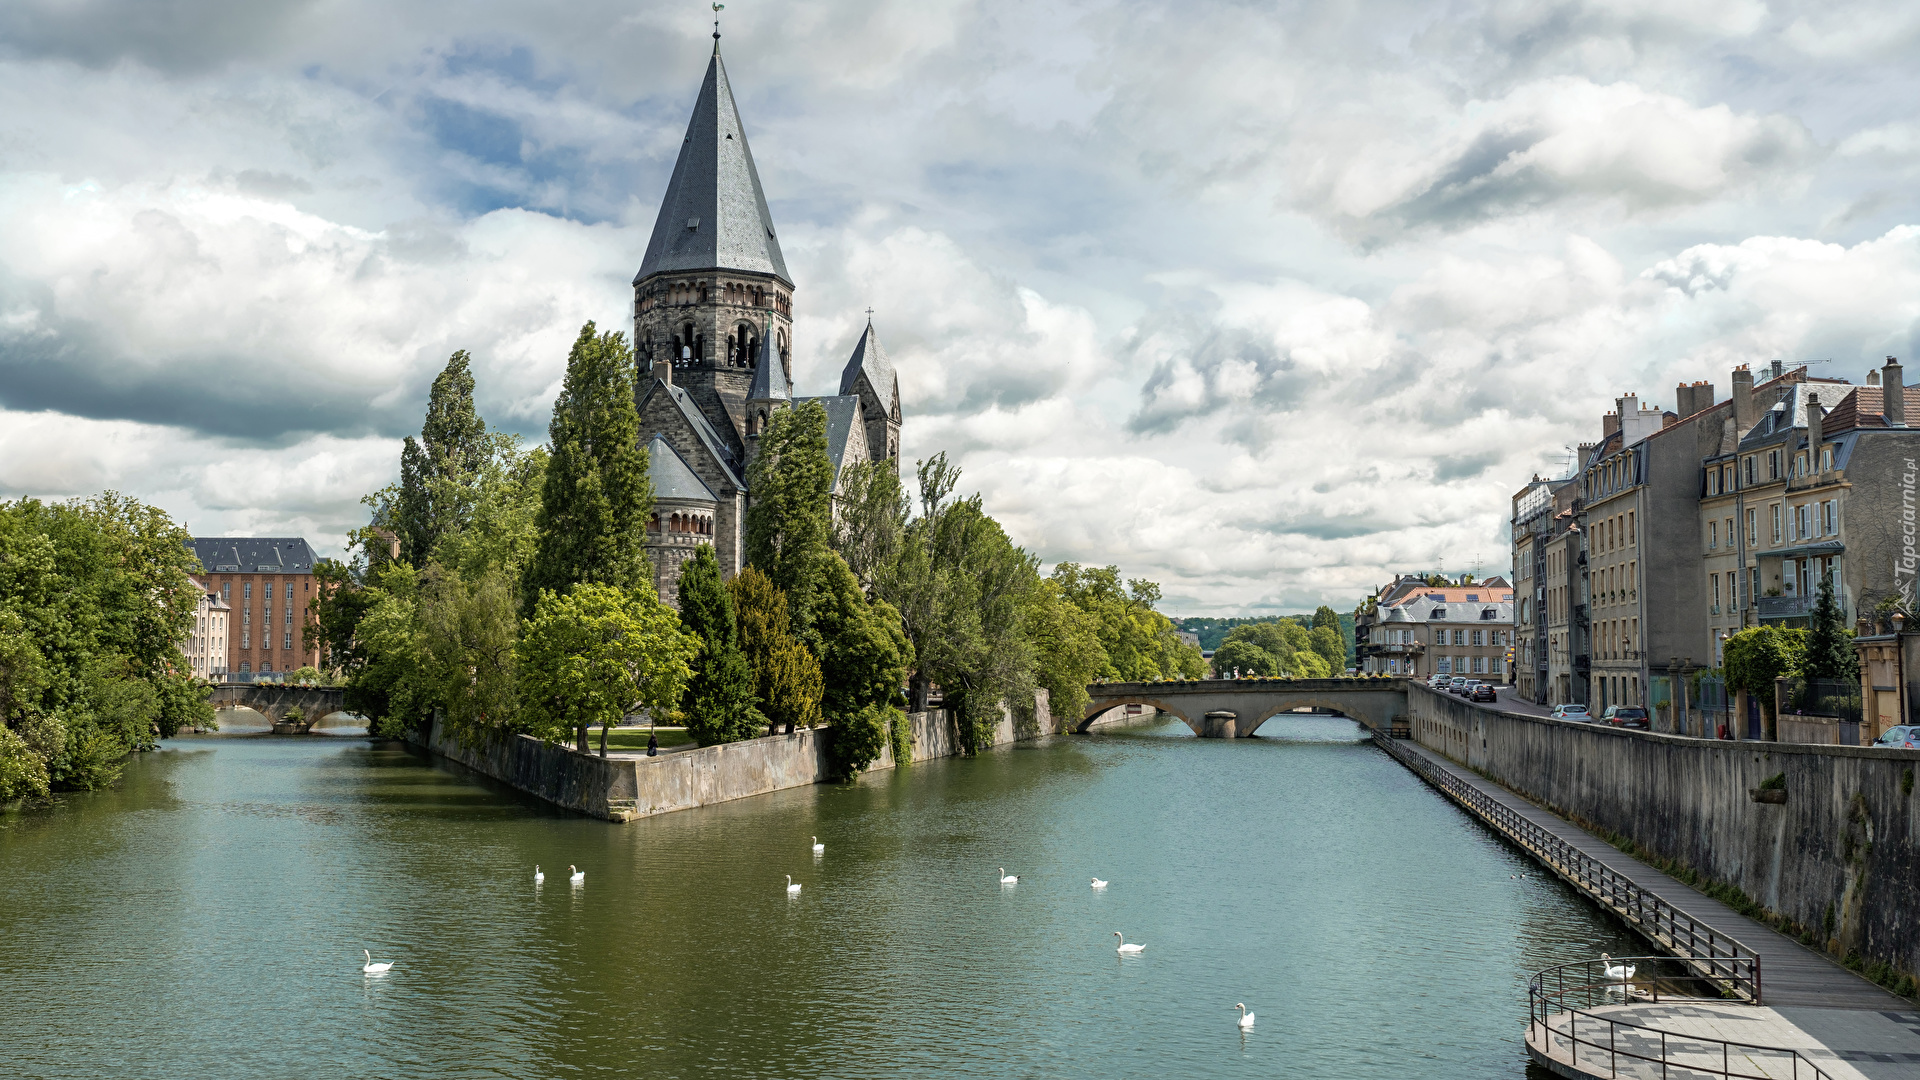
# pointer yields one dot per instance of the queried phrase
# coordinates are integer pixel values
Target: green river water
(206, 919)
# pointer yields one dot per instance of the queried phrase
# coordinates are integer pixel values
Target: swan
(1098, 884)
(577, 875)
(793, 887)
(372, 968)
(1246, 1018)
(538, 877)
(1616, 971)
(1126, 949)
(1008, 879)
(818, 847)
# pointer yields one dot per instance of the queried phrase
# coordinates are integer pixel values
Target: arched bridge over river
(272, 700)
(1229, 708)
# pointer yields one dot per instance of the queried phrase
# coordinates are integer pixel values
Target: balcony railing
(1784, 607)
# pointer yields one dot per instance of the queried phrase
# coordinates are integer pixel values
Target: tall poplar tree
(719, 698)
(787, 679)
(436, 472)
(789, 521)
(597, 494)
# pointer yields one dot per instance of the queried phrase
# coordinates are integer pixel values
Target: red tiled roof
(1865, 407)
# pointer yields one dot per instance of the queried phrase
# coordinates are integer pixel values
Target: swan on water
(1008, 879)
(372, 968)
(576, 875)
(1126, 949)
(1098, 884)
(538, 877)
(793, 887)
(818, 847)
(1246, 1018)
(1615, 971)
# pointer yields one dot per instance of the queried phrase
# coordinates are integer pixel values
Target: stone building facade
(266, 583)
(205, 647)
(713, 306)
(1421, 630)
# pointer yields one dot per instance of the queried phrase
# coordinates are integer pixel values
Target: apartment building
(266, 582)
(1542, 514)
(1420, 630)
(205, 648)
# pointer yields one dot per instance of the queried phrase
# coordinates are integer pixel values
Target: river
(206, 918)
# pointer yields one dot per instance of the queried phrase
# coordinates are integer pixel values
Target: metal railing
(1562, 1024)
(1710, 953)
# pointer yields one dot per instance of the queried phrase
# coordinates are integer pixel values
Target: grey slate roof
(770, 381)
(673, 478)
(714, 215)
(869, 357)
(253, 554)
(702, 430)
(843, 412)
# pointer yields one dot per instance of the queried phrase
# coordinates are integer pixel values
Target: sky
(1264, 302)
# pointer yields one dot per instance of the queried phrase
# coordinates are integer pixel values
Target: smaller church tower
(869, 375)
(771, 391)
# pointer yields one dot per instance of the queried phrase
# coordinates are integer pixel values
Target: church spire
(714, 215)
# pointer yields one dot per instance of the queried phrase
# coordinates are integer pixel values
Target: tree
(871, 523)
(1067, 652)
(1326, 643)
(789, 521)
(719, 700)
(1326, 616)
(434, 472)
(787, 680)
(1829, 643)
(864, 658)
(596, 653)
(597, 494)
(1753, 659)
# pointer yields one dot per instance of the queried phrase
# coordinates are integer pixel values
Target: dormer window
(1437, 613)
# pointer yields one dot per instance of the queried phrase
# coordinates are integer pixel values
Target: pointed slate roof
(868, 357)
(673, 478)
(702, 430)
(770, 381)
(253, 554)
(843, 413)
(714, 215)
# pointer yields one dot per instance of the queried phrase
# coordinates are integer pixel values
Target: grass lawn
(635, 738)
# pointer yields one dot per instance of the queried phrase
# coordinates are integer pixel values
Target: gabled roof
(868, 357)
(672, 477)
(1865, 407)
(697, 421)
(769, 377)
(253, 554)
(843, 415)
(714, 215)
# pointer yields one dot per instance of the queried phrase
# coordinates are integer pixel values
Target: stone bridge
(272, 700)
(1229, 708)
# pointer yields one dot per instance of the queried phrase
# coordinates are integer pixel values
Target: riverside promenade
(1837, 1021)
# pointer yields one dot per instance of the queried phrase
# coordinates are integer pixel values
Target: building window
(1730, 540)
(246, 639)
(1826, 459)
(1475, 637)
(1445, 665)
(1773, 464)
(1716, 593)
(1633, 537)
(1776, 522)
(1830, 517)
(1749, 463)
(226, 590)
(245, 667)
(1459, 637)
(1753, 531)
(1713, 481)
(286, 641)
(1713, 535)
(246, 590)
(289, 590)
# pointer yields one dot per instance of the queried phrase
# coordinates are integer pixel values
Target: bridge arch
(1372, 702)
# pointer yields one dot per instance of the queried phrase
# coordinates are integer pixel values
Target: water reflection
(1374, 930)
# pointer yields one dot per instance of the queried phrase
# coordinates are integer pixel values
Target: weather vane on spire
(717, 9)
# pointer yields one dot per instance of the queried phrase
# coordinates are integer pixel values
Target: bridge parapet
(1374, 701)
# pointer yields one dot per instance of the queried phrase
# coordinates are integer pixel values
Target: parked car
(1484, 692)
(1572, 710)
(1463, 687)
(1628, 716)
(1905, 736)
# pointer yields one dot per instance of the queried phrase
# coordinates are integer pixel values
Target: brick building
(266, 583)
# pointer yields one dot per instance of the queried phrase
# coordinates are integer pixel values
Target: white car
(1572, 710)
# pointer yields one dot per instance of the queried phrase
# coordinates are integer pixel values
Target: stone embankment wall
(624, 788)
(1840, 857)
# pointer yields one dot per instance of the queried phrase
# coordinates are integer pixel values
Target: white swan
(793, 887)
(1126, 949)
(1098, 884)
(1246, 1018)
(538, 877)
(372, 968)
(1616, 971)
(577, 875)
(818, 847)
(1008, 879)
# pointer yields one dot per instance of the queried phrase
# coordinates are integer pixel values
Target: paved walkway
(1847, 1017)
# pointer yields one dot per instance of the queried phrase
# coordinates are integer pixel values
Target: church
(713, 343)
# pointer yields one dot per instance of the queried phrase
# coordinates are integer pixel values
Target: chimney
(663, 370)
(1816, 433)
(1873, 377)
(1702, 395)
(1609, 424)
(1778, 369)
(1683, 400)
(1743, 417)
(1895, 393)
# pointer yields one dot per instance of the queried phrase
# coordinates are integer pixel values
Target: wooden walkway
(1792, 975)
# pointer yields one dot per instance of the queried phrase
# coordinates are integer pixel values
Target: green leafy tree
(870, 524)
(597, 494)
(1326, 643)
(433, 497)
(788, 524)
(1829, 643)
(1326, 616)
(864, 659)
(787, 679)
(719, 700)
(1753, 659)
(590, 656)
(1067, 652)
